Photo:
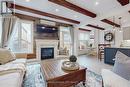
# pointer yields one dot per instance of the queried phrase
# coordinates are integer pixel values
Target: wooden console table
(55, 76)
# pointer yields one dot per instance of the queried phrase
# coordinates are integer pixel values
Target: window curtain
(8, 23)
(72, 39)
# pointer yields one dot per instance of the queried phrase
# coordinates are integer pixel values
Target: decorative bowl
(67, 65)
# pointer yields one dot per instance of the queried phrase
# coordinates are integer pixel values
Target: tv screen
(46, 32)
(46, 29)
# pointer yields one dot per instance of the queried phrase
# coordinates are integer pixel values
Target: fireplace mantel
(46, 44)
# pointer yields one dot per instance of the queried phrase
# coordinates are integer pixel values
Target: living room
(65, 43)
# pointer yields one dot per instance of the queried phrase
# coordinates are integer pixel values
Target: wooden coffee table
(55, 76)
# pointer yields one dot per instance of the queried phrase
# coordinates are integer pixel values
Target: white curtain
(72, 39)
(0, 29)
(8, 23)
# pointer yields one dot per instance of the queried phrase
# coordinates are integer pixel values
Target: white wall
(99, 37)
(118, 38)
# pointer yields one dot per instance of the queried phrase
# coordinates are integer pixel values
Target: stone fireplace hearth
(46, 49)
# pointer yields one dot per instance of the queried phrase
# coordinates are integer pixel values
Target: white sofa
(12, 73)
(110, 79)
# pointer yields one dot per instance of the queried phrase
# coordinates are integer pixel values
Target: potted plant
(73, 58)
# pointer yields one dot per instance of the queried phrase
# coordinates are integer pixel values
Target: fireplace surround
(42, 45)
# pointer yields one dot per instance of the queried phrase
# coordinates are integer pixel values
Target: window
(83, 40)
(22, 38)
(65, 38)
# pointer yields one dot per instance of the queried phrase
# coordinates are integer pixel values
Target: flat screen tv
(46, 32)
(46, 29)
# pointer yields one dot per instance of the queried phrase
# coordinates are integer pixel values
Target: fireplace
(47, 53)
(46, 49)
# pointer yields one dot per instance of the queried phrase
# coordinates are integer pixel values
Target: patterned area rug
(34, 78)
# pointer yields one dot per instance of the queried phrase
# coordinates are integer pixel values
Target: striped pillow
(6, 56)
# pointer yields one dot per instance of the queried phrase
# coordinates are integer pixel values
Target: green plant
(73, 58)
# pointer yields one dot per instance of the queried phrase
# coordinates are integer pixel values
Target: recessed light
(124, 21)
(53, 29)
(57, 10)
(75, 16)
(120, 30)
(96, 3)
(27, 0)
(43, 27)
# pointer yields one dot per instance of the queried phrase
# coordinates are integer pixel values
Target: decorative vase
(73, 58)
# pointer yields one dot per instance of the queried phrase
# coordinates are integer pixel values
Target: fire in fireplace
(47, 53)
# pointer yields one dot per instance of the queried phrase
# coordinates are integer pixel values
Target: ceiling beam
(123, 2)
(85, 29)
(22, 8)
(74, 7)
(27, 17)
(110, 22)
(93, 26)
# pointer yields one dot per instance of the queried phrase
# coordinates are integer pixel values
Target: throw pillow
(6, 56)
(122, 65)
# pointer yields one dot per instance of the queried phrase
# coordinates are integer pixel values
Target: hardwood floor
(93, 64)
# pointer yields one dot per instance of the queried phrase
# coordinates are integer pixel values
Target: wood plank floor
(93, 64)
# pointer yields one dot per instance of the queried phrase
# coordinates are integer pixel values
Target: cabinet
(126, 33)
(109, 54)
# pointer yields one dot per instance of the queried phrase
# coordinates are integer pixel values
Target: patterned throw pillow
(6, 56)
(122, 65)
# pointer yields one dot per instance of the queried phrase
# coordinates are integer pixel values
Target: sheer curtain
(0, 29)
(21, 40)
(67, 38)
(72, 39)
(8, 23)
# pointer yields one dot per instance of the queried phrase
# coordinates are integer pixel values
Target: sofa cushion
(122, 65)
(11, 80)
(18, 61)
(6, 56)
(111, 79)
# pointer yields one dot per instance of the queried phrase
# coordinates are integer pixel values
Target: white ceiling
(105, 9)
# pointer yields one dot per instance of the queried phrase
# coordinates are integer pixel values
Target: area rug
(35, 78)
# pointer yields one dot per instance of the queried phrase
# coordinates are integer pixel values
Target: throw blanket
(11, 68)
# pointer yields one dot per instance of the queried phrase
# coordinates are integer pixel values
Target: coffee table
(55, 76)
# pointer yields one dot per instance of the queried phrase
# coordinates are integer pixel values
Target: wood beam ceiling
(110, 22)
(74, 7)
(85, 29)
(22, 8)
(123, 2)
(27, 17)
(97, 27)
(23, 16)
